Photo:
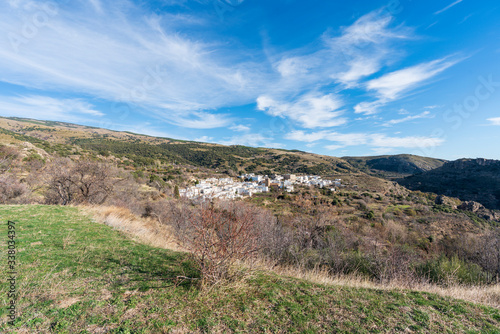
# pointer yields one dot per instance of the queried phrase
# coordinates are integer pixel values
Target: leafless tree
(217, 237)
(78, 182)
(7, 156)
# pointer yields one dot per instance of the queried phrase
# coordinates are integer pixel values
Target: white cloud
(251, 139)
(201, 120)
(374, 140)
(96, 4)
(494, 121)
(204, 139)
(368, 108)
(311, 110)
(48, 108)
(361, 49)
(124, 54)
(425, 114)
(240, 128)
(448, 7)
(300, 135)
(334, 147)
(393, 85)
(390, 86)
(380, 140)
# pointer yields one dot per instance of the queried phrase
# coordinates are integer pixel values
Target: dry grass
(482, 294)
(145, 230)
(150, 232)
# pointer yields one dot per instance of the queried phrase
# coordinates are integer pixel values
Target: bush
(83, 181)
(218, 237)
(11, 189)
(443, 270)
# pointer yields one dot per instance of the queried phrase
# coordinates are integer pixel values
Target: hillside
(394, 166)
(140, 150)
(79, 276)
(468, 179)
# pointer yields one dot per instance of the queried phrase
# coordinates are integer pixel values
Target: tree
(7, 155)
(176, 192)
(83, 181)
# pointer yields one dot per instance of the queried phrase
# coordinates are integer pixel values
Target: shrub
(443, 270)
(81, 182)
(410, 212)
(217, 238)
(11, 189)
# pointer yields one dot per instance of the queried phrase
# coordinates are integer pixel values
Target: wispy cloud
(425, 114)
(121, 55)
(494, 121)
(96, 4)
(48, 108)
(240, 128)
(312, 110)
(360, 50)
(448, 7)
(204, 139)
(251, 139)
(393, 85)
(369, 139)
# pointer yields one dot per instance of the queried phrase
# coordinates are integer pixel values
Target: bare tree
(92, 181)
(78, 182)
(59, 180)
(7, 155)
(217, 237)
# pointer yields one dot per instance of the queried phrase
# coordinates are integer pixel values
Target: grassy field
(79, 276)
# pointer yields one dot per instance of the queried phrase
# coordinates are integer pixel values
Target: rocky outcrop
(476, 180)
(480, 210)
(471, 206)
(448, 201)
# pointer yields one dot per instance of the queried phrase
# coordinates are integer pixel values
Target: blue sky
(329, 77)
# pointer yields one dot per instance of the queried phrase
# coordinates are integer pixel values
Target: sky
(337, 78)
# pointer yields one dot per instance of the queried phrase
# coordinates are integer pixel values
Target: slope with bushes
(468, 179)
(78, 276)
(394, 166)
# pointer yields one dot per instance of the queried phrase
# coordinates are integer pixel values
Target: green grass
(85, 277)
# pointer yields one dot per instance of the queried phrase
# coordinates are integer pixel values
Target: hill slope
(75, 276)
(393, 166)
(468, 179)
(141, 150)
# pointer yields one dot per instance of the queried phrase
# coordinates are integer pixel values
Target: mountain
(139, 151)
(468, 179)
(394, 166)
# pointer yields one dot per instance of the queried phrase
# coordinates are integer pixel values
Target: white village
(249, 184)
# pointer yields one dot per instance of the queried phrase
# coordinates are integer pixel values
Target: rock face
(444, 200)
(475, 180)
(471, 206)
(480, 210)
(392, 165)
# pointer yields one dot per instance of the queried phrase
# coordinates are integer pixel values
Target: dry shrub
(11, 190)
(218, 237)
(7, 155)
(83, 181)
(394, 232)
